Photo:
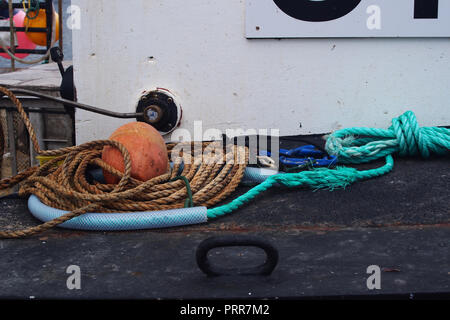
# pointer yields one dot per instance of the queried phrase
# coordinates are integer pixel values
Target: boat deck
(326, 241)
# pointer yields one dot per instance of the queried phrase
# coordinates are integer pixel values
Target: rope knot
(411, 140)
(405, 137)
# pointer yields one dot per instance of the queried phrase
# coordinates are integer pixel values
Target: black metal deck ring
(236, 241)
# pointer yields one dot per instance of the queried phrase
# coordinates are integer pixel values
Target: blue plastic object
(304, 155)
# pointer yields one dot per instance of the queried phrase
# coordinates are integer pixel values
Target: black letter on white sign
(426, 9)
(316, 11)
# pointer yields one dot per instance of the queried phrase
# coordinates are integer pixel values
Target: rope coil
(66, 187)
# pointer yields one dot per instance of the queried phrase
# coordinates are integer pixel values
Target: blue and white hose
(137, 220)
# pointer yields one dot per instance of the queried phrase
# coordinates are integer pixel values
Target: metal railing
(47, 5)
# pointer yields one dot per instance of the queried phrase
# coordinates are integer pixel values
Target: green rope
(404, 137)
(189, 203)
(34, 7)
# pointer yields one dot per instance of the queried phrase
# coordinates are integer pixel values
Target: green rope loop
(34, 7)
(189, 203)
(404, 137)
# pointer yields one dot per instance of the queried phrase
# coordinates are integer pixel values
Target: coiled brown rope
(211, 179)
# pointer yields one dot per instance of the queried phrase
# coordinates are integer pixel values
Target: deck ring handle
(209, 269)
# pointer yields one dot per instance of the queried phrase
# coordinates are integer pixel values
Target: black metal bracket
(159, 109)
(67, 89)
(77, 105)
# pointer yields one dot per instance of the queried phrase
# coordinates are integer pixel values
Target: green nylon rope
(357, 145)
(189, 203)
(34, 7)
(405, 137)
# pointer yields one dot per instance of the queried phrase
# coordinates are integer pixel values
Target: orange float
(40, 21)
(148, 152)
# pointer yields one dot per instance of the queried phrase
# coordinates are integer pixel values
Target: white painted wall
(227, 81)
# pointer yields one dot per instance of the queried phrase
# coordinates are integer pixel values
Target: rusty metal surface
(326, 240)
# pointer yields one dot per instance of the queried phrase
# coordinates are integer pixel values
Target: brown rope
(212, 179)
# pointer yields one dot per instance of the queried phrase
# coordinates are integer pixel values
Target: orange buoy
(148, 152)
(40, 21)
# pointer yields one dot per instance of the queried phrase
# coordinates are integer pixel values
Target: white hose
(136, 220)
(121, 221)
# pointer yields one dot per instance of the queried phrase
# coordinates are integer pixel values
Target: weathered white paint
(200, 52)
